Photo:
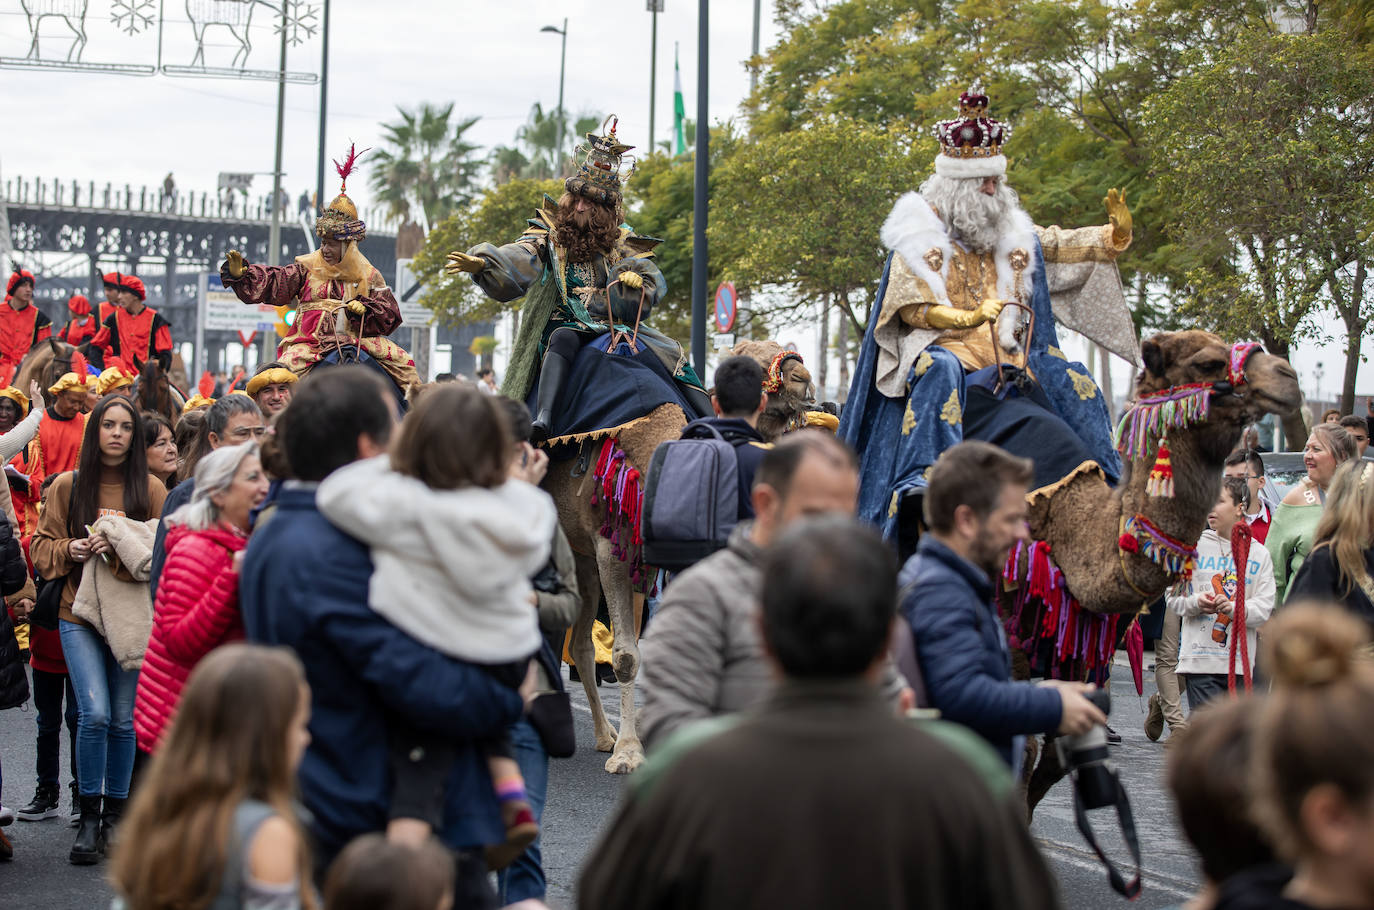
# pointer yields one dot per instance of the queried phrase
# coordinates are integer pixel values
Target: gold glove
(235, 261)
(948, 317)
(1120, 216)
(632, 280)
(357, 308)
(463, 264)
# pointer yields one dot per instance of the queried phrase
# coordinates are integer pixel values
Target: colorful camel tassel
(1161, 482)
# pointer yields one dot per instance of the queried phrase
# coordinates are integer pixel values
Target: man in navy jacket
(975, 508)
(304, 584)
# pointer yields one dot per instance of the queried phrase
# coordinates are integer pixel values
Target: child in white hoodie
(1207, 601)
(455, 541)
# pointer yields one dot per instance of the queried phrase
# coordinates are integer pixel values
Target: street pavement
(582, 798)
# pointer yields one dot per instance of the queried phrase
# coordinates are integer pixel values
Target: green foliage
(427, 164)
(802, 209)
(1265, 198)
(499, 217)
(543, 145)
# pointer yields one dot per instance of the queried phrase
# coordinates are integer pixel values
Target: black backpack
(691, 498)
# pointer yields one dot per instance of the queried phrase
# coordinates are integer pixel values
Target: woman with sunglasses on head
(1294, 528)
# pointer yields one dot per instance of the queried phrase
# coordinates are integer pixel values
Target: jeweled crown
(973, 134)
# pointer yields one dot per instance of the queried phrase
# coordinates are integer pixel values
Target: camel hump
(1080, 489)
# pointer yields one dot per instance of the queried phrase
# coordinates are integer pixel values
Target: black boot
(551, 377)
(74, 817)
(44, 804)
(699, 400)
(109, 818)
(89, 844)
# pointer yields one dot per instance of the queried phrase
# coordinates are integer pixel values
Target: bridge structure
(70, 233)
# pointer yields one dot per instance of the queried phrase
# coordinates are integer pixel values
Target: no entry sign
(727, 305)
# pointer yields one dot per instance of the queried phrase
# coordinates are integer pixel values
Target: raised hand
(236, 263)
(1120, 215)
(463, 264)
(35, 394)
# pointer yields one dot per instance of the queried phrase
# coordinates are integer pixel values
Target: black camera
(1087, 760)
(1097, 786)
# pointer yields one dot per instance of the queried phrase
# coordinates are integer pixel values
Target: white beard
(978, 220)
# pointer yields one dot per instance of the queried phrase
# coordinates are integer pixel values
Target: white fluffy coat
(453, 567)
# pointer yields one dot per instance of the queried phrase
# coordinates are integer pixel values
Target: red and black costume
(82, 326)
(20, 329)
(134, 340)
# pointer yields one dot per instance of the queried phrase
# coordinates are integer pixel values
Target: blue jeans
(524, 878)
(105, 740)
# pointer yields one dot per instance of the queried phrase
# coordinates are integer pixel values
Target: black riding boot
(699, 400)
(551, 378)
(89, 844)
(109, 818)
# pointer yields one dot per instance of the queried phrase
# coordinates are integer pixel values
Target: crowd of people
(309, 652)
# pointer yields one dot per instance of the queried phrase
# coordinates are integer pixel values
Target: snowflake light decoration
(301, 22)
(133, 16)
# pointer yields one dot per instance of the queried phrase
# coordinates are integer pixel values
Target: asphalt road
(582, 797)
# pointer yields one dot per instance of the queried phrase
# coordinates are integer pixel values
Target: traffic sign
(727, 305)
(225, 312)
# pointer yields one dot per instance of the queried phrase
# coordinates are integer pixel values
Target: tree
(1265, 157)
(802, 209)
(542, 146)
(428, 169)
(499, 217)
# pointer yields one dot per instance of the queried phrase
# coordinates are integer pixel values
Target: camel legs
(584, 654)
(620, 603)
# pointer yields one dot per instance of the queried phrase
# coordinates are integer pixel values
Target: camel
(796, 393)
(599, 570)
(1082, 519)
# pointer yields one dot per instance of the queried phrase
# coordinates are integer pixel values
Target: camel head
(795, 394)
(1263, 384)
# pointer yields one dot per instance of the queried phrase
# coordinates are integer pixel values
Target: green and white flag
(679, 109)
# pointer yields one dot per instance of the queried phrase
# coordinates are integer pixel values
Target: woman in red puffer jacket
(197, 607)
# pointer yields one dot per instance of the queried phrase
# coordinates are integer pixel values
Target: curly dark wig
(591, 234)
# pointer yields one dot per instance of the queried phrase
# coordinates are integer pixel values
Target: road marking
(1085, 859)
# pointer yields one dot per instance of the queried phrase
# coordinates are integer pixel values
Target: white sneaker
(6, 816)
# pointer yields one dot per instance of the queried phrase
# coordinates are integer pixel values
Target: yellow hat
(270, 377)
(196, 401)
(112, 378)
(821, 420)
(69, 382)
(18, 398)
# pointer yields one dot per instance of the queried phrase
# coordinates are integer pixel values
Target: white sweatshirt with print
(1216, 573)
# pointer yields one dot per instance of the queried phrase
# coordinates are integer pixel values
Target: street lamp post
(655, 7)
(699, 191)
(562, 69)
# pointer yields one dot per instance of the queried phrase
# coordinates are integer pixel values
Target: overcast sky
(490, 58)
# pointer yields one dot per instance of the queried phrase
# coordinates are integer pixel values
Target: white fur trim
(913, 229)
(958, 168)
(1020, 237)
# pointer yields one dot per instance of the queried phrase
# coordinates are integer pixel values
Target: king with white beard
(963, 251)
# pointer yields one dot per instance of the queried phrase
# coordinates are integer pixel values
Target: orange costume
(82, 326)
(134, 340)
(56, 448)
(20, 329)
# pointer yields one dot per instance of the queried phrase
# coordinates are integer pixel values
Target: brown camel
(1081, 517)
(795, 396)
(600, 570)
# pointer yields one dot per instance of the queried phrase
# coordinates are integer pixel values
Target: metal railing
(224, 205)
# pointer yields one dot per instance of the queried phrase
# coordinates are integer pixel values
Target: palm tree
(427, 171)
(542, 147)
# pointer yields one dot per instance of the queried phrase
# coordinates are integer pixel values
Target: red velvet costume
(80, 328)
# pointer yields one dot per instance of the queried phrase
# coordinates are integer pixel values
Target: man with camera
(975, 510)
